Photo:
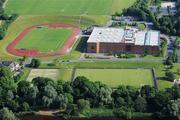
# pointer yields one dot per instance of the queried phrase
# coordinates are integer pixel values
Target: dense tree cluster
(6, 20)
(167, 24)
(81, 95)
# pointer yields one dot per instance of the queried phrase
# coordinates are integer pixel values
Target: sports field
(66, 7)
(116, 77)
(45, 39)
(24, 22)
(49, 73)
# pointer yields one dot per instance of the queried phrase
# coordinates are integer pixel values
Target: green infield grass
(45, 39)
(66, 7)
(116, 77)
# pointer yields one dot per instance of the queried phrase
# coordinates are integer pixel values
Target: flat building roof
(168, 4)
(114, 35)
(119, 35)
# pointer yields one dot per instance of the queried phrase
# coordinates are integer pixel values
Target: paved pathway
(110, 60)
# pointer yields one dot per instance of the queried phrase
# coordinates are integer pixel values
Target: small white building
(168, 8)
(165, 5)
(177, 81)
(13, 66)
(165, 8)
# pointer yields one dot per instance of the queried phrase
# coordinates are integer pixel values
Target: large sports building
(128, 40)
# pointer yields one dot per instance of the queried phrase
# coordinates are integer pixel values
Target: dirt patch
(49, 73)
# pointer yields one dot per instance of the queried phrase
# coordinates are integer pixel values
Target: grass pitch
(66, 7)
(45, 39)
(49, 73)
(116, 77)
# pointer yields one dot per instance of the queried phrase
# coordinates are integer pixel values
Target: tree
(35, 63)
(49, 95)
(170, 76)
(178, 71)
(6, 114)
(83, 105)
(23, 89)
(67, 88)
(174, 55)
(69, 98)
(127, 93)
(6, 79)
(169, 61)
(2, 33)
(50, 91)
(173, 108)
(33, 95)
(70, 111)
(9, 95)
(84, 89)
(59, 86)
(140, 104)
(157, 103)
(60, 101)
(104, 95)
(123, 112)
(25, 106)
(46, 101)
(164, 46)
(119, 102)
(13, 105)
(41, 82)
(175, 91)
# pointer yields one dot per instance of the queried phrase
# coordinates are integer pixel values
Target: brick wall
(121, 47)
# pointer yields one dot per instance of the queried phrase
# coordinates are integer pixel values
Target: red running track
(11, 48)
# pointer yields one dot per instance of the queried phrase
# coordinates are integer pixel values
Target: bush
(141, 26)
(169, 61)
(130, 56)
(35, 63)
(170, 76)
(2, 33)
(123, 113)
(126, 55)
(83, 105)
(6, 114)
(25, 107)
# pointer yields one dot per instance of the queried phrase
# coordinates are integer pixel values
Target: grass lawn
(25, 75)
(106, 112)
(158, 66)
(65, 74)
(164, 84)
(45, 39)
(152, 57)
(178, 39)
(66, 7)
(116, 77)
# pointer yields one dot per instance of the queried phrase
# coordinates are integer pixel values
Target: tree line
(5, 19)
(81, 95)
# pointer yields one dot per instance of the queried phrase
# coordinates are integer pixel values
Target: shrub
(35, 63)
(170, 76)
